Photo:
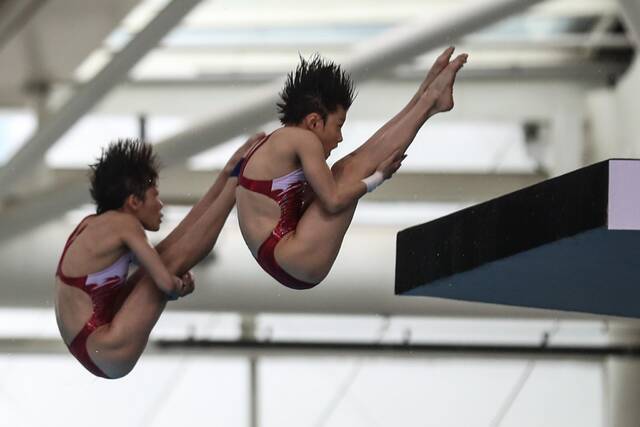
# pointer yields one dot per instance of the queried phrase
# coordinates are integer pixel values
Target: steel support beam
(244, 348)
(29, 156)
(370, 60)
(578, 70)
(14, 14)
(31, 212)
(404, 187)
(631, 17)
(405, 43)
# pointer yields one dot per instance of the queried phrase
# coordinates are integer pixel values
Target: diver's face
(150, 210)
(329, 131)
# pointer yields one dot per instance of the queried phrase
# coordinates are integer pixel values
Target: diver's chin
(153, 227)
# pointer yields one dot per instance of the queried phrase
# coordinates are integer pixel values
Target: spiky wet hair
(315, 86)
(126, 167)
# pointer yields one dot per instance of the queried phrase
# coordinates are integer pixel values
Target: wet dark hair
(315, 86)
(126, 167)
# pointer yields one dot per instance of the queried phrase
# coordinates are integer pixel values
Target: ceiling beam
(25, 214)
(579, 70)
(180, 186)
(30, 155)
(596, 39)
(14, 14)
(371, 59)
(574, 8)
(247, 348)
(403, 44)
(631, 17)
(588, 73)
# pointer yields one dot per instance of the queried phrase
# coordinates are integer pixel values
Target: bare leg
(434, 95)
(116, 347)
(309, 253)
(440, 64)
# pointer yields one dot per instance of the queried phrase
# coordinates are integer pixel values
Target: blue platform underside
(596, 271)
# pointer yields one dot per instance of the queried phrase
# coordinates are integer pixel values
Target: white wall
(208, 390)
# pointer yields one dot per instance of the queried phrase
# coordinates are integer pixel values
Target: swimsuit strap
(73, 281)
(250, 153)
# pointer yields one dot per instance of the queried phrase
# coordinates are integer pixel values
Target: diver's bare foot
(442, 86)
(440, 64)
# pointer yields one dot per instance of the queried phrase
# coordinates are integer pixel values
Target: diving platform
(569, 243)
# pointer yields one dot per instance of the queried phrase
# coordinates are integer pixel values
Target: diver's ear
(132, 203)
(313, 121)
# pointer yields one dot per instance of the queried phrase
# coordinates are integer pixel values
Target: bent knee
(181, 257)
(344, 163)
(174, 257)
(352, 167)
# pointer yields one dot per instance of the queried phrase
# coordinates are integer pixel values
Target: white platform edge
(624, 195)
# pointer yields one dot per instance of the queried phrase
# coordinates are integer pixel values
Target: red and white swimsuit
(103, 287)
(288, 191)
